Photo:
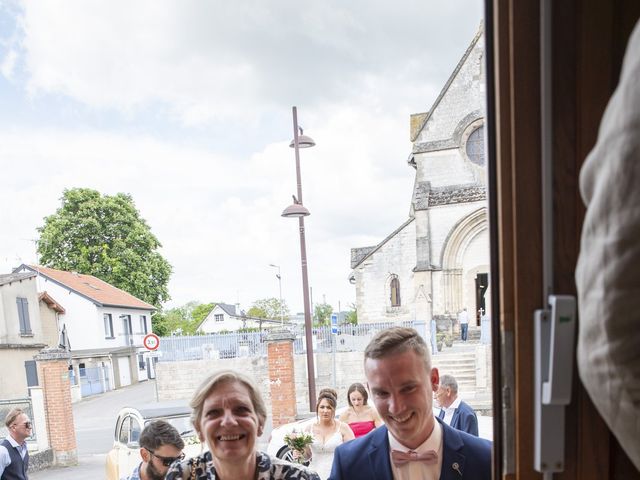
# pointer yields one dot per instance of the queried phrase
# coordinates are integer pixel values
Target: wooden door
(589, 39)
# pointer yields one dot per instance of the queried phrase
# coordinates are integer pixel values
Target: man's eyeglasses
(166, 461)
(26, 424)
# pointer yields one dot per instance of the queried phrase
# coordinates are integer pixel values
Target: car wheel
(285, 453)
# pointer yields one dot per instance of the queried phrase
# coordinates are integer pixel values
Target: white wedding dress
(322, 453)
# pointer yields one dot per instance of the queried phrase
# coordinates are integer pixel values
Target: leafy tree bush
(183, 320)
(322, 313)
(269, 308)
(352, 315)
(105, 236)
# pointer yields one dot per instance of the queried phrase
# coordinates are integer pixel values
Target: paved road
(95, 422)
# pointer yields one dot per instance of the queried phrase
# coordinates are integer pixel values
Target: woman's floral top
(269, 468)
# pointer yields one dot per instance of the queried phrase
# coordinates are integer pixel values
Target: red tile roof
(92, 288)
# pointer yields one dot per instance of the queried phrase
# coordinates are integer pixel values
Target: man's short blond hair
(12, 416)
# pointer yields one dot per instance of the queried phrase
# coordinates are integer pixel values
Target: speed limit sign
(151, 341)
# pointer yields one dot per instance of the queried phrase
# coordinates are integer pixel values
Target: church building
(437, 261)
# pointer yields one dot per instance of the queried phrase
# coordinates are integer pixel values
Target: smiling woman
(229, 415)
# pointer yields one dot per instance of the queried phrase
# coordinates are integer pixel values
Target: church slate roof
(357, 254)
(453, 75)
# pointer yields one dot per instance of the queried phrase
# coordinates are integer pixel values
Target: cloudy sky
(186, 105)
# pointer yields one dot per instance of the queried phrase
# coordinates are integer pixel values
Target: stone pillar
(281, 377)
(53, 373)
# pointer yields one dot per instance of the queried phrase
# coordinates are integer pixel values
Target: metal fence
(218, 345)
(348, 338)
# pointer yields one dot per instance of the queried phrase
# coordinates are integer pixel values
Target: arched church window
(395, 292)
(475, 146)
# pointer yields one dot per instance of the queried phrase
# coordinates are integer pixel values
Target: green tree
(183, 320)
(200, 312)
(269, 308)
(322, 313)
(352, 315)
(105, 236)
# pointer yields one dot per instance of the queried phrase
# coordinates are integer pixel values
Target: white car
(125, 454)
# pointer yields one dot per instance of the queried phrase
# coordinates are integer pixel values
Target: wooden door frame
(589, 39)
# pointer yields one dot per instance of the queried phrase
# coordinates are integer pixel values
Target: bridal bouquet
(298, 441)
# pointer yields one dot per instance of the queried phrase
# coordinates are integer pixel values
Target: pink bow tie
(400, 458)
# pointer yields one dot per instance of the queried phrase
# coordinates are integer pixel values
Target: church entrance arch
(465, 259)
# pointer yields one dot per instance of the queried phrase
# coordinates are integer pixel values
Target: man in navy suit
(454, 412)
(412, 443)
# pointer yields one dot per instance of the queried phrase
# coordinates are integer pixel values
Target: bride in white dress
(327, 433)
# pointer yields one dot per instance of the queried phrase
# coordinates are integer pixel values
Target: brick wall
(282, 383)
(54, 379)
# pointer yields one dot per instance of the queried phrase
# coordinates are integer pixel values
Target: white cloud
(219, 217)
(214, 60)
(210, 85)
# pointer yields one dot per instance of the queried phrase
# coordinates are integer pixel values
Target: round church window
(475, 146)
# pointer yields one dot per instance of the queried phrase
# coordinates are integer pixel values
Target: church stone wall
(448, 189)
(443, 220)
(443, 168)
(397, 256)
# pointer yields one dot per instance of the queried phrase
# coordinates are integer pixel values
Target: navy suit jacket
(464, 418)
(367, 458)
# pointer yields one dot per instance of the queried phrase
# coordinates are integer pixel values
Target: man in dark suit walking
(412, 443)
(453, 411)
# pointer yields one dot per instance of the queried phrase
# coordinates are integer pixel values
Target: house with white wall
(28, 323)
(103, 327)
(229, 318)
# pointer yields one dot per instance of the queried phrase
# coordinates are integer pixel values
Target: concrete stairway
(460, 361)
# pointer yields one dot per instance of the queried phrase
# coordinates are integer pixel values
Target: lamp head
(304, 141)
(295, 210)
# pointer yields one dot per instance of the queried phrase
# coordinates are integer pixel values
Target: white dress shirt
(450, 410)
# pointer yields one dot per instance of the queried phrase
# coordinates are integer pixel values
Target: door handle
(554, 330)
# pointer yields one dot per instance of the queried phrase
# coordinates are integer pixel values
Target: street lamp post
(299, 211)
(279, 277)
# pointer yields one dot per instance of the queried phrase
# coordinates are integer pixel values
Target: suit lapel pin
(456, 467)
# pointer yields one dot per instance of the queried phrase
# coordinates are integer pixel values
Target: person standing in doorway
(463, 318)
(14, 456)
